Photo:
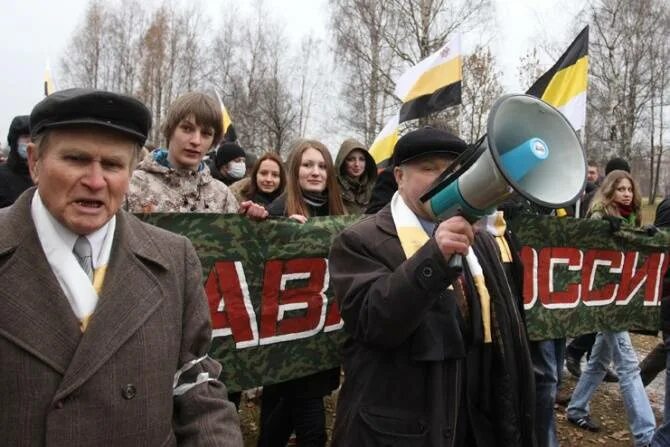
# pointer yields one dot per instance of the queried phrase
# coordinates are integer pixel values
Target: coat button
(58, 405)
(128, 391)
(427, 272)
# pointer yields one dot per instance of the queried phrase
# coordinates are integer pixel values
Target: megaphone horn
(530, 148)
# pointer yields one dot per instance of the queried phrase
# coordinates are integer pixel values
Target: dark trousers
(580, 346)
(547, 357)
(281, 414)
(653, 364)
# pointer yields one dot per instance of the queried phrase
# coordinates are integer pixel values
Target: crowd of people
(104, 326)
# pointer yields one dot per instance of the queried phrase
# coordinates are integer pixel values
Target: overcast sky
(37, 31)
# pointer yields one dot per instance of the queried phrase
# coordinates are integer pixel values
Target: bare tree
(359, 28)
(481, 87)
(378, 41)
(622, 35)
(81, 64)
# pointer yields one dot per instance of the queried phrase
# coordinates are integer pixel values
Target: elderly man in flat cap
(435, 355)
(104, 327)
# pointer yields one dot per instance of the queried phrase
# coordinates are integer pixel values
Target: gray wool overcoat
(113, 384)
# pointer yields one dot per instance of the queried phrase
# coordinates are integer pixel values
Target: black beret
(226, 152)
(84, 107)
(424, 141)
(20, 126)
(617, 164)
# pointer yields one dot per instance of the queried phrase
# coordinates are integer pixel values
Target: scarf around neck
(413, 236)
(161, 157)
(57, 243)
(315, 199)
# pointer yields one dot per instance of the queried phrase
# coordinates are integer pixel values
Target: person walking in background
(582, 344)
(265, 183)
(356, 174)
(618, 197)
(311, 191)
(14, 174)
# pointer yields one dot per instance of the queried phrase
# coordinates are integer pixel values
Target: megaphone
(529, 148)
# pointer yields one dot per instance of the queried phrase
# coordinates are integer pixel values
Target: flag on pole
(382, 148)
(228, 129)
(564, 85)
(49, 87)
(428, 87)
(433, 84)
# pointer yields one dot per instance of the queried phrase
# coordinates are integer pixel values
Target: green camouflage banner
(583, 276)
(274, 317)
(267, 283)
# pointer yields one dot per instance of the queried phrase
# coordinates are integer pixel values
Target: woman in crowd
(265, 183)
(618, 197)
(311, 190)
(356, 173)
(175, 178)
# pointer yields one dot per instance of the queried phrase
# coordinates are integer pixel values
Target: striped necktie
(84, 253)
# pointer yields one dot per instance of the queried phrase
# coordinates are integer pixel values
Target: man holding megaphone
(436, 354)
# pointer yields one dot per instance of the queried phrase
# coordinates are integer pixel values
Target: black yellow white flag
(564, 85)
(433, 84)
(430, 86)
(382, 148)
(228, 129)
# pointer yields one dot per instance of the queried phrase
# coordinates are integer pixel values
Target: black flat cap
(84, 107)
(424, 141)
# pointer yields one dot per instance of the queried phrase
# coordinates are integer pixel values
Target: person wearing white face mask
(229, 163)
(14, 175)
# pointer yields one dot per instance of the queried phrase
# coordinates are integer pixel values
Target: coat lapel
(34, 312)
(131, 293)
(384, 220)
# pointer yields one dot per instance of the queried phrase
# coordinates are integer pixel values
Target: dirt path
(607, 408)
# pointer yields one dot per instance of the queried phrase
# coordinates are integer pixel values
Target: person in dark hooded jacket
(356, 174)
(14, 175)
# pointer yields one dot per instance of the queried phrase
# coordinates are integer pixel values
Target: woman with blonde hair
(619, 198)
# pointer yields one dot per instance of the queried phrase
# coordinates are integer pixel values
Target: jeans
(547, 357)
(617, 347)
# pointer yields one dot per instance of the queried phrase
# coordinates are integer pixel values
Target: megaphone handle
(456, 262)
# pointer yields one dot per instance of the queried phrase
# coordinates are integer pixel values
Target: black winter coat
(413, 368)
(14, 179)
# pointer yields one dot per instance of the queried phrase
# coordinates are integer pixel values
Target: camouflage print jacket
(156, 188)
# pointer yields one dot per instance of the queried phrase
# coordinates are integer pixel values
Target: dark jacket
(14, 175)
(218, 175)
(383, 191)
(113, 384)
(355, 193)
(278, 208)
(412, 368)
